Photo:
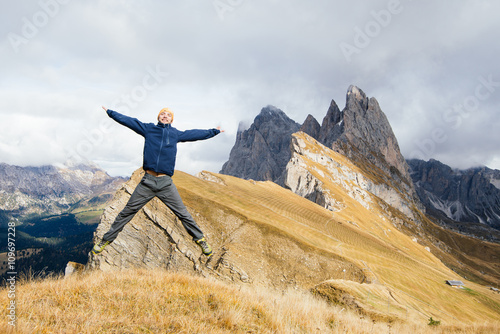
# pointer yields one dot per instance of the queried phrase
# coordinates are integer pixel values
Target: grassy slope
(157, 301)
(414, 276)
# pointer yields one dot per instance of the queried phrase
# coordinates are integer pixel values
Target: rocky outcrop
(262, 151)
(51, 189)
(471, 195)
(314, 167)
(152, 239)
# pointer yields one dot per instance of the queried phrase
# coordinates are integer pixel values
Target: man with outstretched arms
(160, 150)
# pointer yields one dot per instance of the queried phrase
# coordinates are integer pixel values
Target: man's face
(165, 118)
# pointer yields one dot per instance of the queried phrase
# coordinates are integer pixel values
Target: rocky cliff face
(313, 168)
(51, 189)
(471, 195)
(366, 135)
(362, 133)
(262, 151)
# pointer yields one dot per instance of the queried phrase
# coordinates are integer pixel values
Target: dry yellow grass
(415, 277)
(157, 301)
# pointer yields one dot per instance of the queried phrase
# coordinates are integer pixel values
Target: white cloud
(420, 61)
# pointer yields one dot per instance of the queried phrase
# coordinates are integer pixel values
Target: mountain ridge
(471, 195)
(53, 189)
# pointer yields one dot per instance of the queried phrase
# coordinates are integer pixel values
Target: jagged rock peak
(271, 114)
(261, 152)
(311, 126)
(356, 92)
(355, 96)
(360, 131)
(367, 136)
(332, 126)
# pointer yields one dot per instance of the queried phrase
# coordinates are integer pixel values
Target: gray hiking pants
(150, 187)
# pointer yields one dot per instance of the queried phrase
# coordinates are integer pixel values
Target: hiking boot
(99, 246)
(205, 247)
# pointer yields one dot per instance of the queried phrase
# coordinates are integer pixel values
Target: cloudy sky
(432, 65)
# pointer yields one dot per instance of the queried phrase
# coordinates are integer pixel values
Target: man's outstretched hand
(105, 109)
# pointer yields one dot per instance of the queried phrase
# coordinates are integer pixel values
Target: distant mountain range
(49, 190)
(467, 196)
(56, 210)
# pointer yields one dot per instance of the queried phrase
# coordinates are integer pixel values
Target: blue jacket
(160, 141)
